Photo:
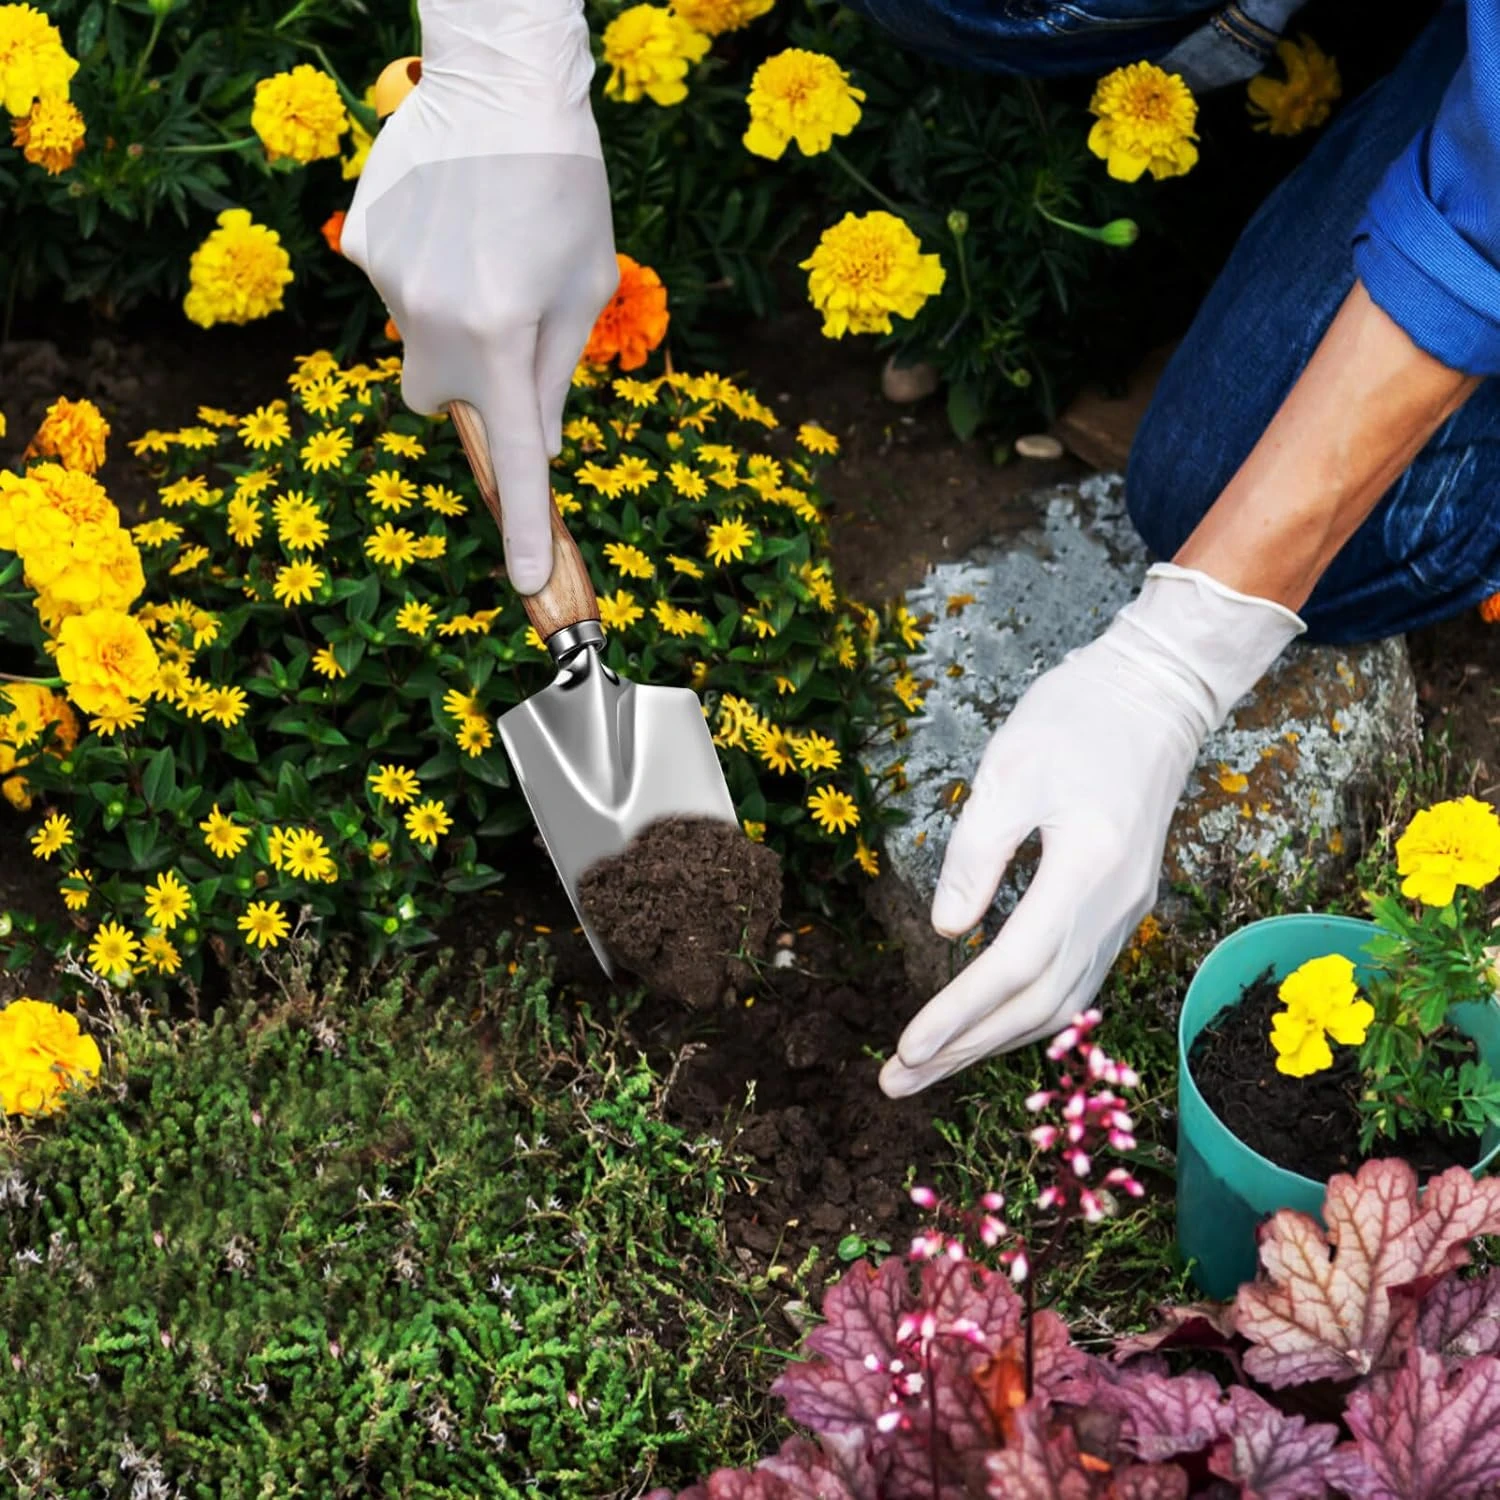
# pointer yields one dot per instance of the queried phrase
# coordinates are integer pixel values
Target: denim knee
(1164, 497)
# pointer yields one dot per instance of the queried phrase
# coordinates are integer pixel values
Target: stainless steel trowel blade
(600, 758)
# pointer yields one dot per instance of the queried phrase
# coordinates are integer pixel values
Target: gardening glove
(482, 217)
(1235, 45)
(1095, 756)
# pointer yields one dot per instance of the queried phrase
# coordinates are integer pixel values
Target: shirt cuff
(1420, 270)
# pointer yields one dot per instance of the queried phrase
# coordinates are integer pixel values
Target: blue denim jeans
(1431, 548)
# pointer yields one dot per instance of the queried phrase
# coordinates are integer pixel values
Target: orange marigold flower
(333, 231)
(391, 331)
(1489, 611)
(635, 320)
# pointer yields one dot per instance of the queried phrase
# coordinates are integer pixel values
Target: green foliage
(402, 644)
(350, 1244)
(1420, 1072)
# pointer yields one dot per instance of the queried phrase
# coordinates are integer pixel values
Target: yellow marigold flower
(471, 624)
(75, 889)
(298, 525)
(326, 664)
(297, 582)
(800, 96)
(390, 490)
(474, 736)
(629, 560)
(866, 858)
(266, 427)
(74, 433)
(195, 438)
(866, 268)
(462, 705)
(168, 901)
(225, 705)
(833, 811)
(1447, 845)
(324, 397)
(680, 622)
(648, 51)
(150, 441)
(609, 482)
(55, 833)
(1322, 1001)
(106, 659)
(216, 416)
(264, 924)
(415, 618)
(619, 611)
(299, 114)
(42, 1053)
(203, 624)
(380, 851)
(161, 953)
(238, 273)
(728, 540)
(156, 533)
(637, 392)
(34, 64)
(817, 439)
(816, 752)
(714, 17)
(755, 832)
(395, 783)
(171, 681)
(51, 136)
(774, 746)
(394, 546)
(189, 560)
(1305, 99)
(441, 499)
(326, 450)
(114, 951)
(1145, 123)
(223, 836)
(182, 491)
(685, 566)
(688, 483)
(427, 822)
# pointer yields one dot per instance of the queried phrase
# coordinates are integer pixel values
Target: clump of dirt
(685, 906)
(1307, 1125)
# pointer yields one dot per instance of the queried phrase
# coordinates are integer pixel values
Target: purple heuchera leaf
(1461, 1319)
(1163, 1415)
(1322, 1317)
(1424, 1433)
(1150, 1482)
(839, 1469)
(1039, 1464)
(1200, 1325)
(1270, 1455)
(836, 1390)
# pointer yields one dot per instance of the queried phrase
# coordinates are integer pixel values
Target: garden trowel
(599, 757)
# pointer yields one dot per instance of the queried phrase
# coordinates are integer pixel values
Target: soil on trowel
(1307, 1125)
(688, 906)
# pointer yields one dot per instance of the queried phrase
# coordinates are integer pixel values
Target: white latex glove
(482, 217)
(1235, 45)
(1095, 756)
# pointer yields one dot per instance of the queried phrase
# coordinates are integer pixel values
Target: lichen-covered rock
(1286, 779)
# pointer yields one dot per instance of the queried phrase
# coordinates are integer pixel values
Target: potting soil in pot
(1307, 1125)
(685, 905)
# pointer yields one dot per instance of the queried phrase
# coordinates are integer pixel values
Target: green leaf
(965, 410)
(364, 601)
(159, 781)
(140, 839)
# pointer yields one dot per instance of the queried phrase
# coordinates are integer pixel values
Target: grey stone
(1286, 779)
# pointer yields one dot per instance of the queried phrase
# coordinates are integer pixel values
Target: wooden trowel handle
(568, 599)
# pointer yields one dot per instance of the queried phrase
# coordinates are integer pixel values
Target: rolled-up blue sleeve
(1428, 248)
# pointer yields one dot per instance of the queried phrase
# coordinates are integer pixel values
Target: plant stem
(855, 175)
(208, 148)
(1035, 1270)
(46, 682)
(150, 47)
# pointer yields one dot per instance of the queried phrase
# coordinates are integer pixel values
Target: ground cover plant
(407, 1237)
(270, 700)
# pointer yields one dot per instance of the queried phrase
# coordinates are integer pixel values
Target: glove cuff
(1211, 643)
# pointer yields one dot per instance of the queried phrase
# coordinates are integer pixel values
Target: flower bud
(1121, 233)
(924, 1197)
(958, 223)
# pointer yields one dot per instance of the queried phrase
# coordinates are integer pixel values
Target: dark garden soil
(688, 907)
(1307, 1125)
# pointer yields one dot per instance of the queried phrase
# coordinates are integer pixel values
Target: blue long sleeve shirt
(1428, 249)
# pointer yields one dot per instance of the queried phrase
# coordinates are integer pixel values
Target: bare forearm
(1358, 415)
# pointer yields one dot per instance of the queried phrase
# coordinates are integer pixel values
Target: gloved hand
(1235, 45)
(483, 219)
(1095, 756)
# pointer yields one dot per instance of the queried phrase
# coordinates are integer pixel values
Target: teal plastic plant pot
(1225, 1191)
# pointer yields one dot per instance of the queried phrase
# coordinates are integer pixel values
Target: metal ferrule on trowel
(599, 757)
